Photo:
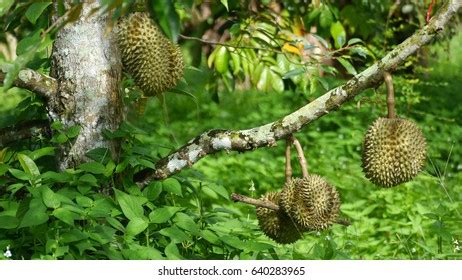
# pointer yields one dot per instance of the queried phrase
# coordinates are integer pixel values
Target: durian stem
(252, 201)
(301, 157)
(288, 165)
(390, 95)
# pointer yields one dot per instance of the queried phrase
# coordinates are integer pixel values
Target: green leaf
(222, 60)
(115, 223)
(219, 189)
(185, 222)
(233, 241)
(28, 44)
(172, 185)
(264, 81)
(102, 155)
(5, 6)
(338, 33)
(35, 215)
(210, 236)
(153, 190)
(19, 174)
(65, 215)
(130, 205)
(277, 84)
(348, 66)
(28, 165)
(136, 226)
(172, 253)
(47, 151)
(326, 18)
(294, 72)
(137, 252)
(162, 215)
(84, 201)
(73, 131)
(35, 10)
(361, 51)
(225, 3)
(353, 41)
(167, 17)
(3, 168)
(73, 236)
(50, 199)
(53, 177)
(93, 167)
(8, 222)
(88, 179)
(175, 234)
(59, 138)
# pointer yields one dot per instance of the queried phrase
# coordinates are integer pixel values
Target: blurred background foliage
(249, 63)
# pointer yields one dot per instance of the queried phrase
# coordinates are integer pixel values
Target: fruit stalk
(288, 170)
(301, 157)
(390, 95)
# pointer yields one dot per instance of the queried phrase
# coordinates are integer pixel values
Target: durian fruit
(311, 202)
(394, 151)
(276, 224)
(155, 63)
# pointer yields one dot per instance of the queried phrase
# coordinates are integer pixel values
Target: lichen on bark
(87, 67)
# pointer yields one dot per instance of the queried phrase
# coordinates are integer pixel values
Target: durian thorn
(390, 95)
(288, 165)
(301, 157)
(255, 202)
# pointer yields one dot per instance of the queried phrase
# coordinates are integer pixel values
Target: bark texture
(86, 65)
(36, 82)
(266, 135)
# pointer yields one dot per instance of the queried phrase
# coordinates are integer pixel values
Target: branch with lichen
(34, 81)
(213, 141)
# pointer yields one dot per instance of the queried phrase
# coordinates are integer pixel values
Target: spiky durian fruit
(155, 63)
(276, 224)
(311, 202)
(394, 151)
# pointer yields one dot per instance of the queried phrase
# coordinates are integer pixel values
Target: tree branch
(22, 131)
(266, 135)
(35, 82)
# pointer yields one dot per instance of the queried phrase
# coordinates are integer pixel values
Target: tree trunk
(87, 67)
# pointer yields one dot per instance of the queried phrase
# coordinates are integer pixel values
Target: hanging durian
(276, 224)
(394, 149)
(311, 201)
(155, 63)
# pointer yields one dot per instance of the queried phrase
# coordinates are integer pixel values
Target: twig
(270, 205)
(23, 131)
(255, 202)
(390, 95)
(288, 165)
(34, 81)
(301, 157)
